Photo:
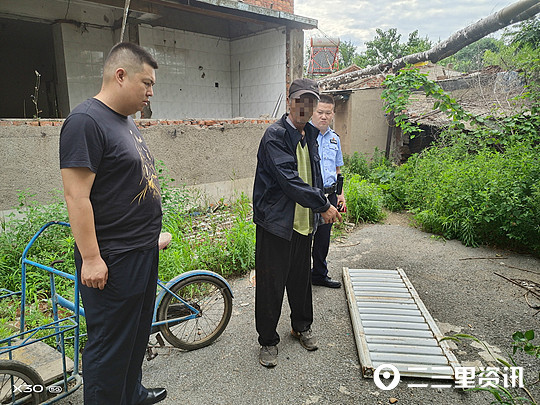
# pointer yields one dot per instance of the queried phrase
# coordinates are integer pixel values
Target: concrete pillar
(295, 54)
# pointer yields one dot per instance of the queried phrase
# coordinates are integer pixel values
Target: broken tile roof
(490, 91)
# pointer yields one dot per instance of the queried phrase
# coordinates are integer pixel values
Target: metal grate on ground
(392, 325)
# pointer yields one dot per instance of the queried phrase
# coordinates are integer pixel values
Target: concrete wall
(361, 123)
(216, 157)
(258, 73)
(199, 75)
(84, 52)
(342, 124)
(194, 75)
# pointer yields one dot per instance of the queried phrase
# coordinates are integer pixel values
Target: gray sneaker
(268, 356)
(307, 340)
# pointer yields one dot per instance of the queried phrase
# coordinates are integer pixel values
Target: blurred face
(138, 88)
(301, 109)
(323, 116)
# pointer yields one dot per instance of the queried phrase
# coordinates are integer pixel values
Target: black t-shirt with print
(125, 195)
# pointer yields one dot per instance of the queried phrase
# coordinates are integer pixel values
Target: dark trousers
(321, 244)
(118, 321)
(281, 264)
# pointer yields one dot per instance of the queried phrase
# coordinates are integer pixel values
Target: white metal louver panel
(392, 325)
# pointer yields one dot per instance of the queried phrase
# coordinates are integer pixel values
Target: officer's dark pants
(281, 264)
(118, 321)
(321, 244)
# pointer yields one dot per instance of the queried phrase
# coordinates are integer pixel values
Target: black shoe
(327, 282)
(154, 396)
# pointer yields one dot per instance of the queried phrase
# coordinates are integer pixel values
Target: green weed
(364, 200)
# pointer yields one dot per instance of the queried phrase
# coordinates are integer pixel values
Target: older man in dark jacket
(288, 203)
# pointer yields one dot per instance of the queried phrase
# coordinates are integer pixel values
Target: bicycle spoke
(212, 301)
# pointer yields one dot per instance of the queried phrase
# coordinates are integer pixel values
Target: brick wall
(281, 5)
(142, 123)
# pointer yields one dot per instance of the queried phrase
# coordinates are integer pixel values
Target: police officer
(331, 160)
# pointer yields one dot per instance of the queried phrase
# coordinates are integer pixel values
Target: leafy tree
(384, 48)
(528, 34)
(519, 51)
(471, 58)
(416, 44)
(347, 54)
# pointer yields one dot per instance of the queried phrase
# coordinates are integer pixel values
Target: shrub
(485, 197)
(223, 241)
(364, 200)
(55, 244)
(356, 164)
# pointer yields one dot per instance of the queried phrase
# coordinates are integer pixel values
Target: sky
(356, 20)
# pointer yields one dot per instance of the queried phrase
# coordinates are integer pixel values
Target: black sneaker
(268, 356)
(307, 340)
(327, 282)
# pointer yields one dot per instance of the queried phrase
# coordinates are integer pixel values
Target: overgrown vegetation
(480, 184)
(220, 238)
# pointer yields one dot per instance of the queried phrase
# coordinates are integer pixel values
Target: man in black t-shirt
(114, 204)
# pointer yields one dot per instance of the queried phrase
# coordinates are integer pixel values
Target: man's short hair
(327, 99)
(127, 54)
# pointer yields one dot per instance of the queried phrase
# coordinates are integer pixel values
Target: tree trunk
(519, 11)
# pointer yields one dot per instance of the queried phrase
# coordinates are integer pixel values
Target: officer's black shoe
(154, 396)
(327, 282)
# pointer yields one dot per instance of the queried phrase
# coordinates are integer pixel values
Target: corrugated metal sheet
(392, 325)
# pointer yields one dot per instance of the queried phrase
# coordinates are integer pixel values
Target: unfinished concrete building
(217, 58)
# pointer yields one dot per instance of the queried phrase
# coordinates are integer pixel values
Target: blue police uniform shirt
(331, 156)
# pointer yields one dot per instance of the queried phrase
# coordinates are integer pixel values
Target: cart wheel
(20, 384)
(210, 297)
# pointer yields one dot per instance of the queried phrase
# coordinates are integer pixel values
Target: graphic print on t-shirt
(148, 176)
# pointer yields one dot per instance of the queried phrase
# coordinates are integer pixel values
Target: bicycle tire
(13, 375)
(213, 300)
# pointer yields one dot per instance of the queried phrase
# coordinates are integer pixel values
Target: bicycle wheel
(213, 301)
(20, 384)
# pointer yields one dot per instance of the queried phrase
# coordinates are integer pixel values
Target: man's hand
(94, 273)
(331, 215)
(342, 206)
